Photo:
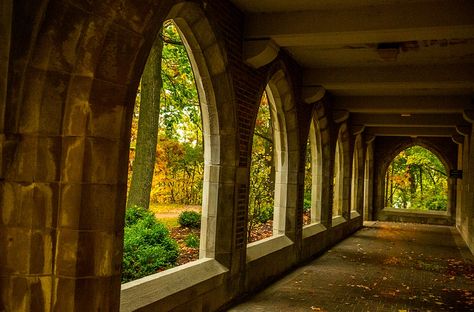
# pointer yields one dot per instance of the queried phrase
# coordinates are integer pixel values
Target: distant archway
(416, 179)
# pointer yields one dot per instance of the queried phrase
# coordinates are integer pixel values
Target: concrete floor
(383, 267)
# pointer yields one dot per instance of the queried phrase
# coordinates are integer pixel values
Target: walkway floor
(383, 267)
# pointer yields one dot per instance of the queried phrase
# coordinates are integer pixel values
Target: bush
(190, 219)
(192, 241)
(133, 215)
(307, 203)
(148, 246)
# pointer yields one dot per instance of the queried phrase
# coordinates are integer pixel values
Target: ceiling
(376, 51)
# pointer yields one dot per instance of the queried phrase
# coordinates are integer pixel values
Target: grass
(168, 213)
(169, 222)
(166, 208)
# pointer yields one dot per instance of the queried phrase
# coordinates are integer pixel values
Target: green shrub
(307, 203)
(148, 246)
(133, 215)
(265, 214)
(192, 241)
(190, 219)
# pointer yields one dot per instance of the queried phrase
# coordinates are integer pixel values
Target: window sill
(313, 229)
(267, 246)
(147, 290)
(337, 221)
(354, 214)
(416, 212)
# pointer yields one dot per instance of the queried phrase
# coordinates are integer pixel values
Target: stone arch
(357, 177)
(323, 128)
(316, 168)
(75, 84)
(286, 147)
(342, 177)
(219, 130)
(368, 181)
(437, 148)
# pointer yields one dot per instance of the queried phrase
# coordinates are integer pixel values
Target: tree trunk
(147, 135)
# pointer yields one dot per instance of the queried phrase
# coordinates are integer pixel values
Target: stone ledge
(354, 214)
(313, 229)
(151, 289)
(267, 246)
(338, 221)
(415, 216)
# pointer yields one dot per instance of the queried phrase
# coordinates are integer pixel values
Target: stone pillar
(369, 179)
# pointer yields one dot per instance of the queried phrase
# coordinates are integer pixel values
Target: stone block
(19, 293)
(58, 38)
(117, 55)
(77, 108)
(86, 294)
(217, 64)
(23, 166)
(25, 252)
(43, 102)
(87, 253)
(88, 51)
(101, 161)
(91, 206)
(72, 162)
(107, 113)
(48, 159)
(37, 205)
(201, 30)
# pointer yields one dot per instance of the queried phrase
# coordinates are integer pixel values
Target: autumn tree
(170, 171)
(416, 179)
(262, 170)
(147, 134)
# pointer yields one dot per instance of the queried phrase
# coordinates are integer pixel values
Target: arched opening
(338, 180)
(275, 124)
(262, 173)
(356, 178)
(368, 182)
(416, 179)
(183, 195)
(313, 177)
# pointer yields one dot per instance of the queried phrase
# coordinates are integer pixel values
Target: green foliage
(135, 214)
(262, 172)
(192, 241)
(179, 166)
(307, 202)
(190, 219)
(416, 179)
(148, 246)
(308, 178)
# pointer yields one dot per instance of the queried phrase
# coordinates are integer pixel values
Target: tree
(168, 112)
(416, 179)
(147, 134)
(262, 170)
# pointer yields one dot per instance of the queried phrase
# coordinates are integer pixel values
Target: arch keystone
(258, 53)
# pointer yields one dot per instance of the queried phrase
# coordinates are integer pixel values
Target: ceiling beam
(421, 77)
(416, 120)
(402, 104)
(410, 131)
(406, 21)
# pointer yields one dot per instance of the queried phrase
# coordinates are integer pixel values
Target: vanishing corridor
(383, 267)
